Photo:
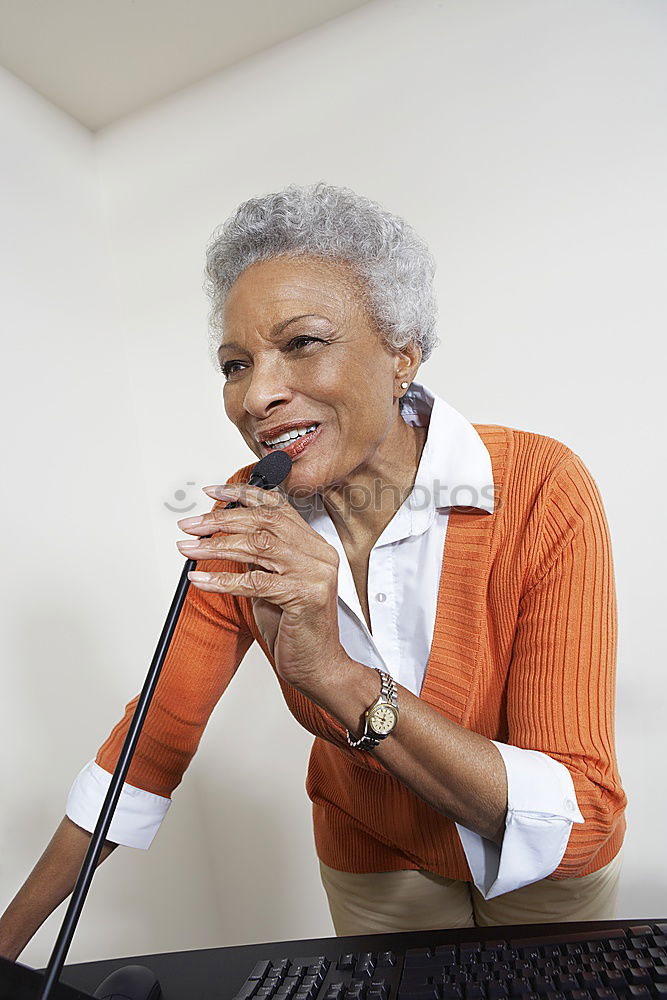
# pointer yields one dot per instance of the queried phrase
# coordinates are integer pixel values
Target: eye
(226, 369)
(228, 366)
(304, 337)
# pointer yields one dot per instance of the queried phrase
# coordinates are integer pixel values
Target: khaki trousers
(381, 902)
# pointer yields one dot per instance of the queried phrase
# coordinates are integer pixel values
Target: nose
(267, 388)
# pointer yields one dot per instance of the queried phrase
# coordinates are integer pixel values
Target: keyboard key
(247, 990)
(285, 992)
(260, 970)
(497, 991)
(355, 992)
(639, 930)
(639, 992)
(638, 977)
(543, 984)
(365, 965)
(335, 991)
(346, 962)
(590, 980)
(386, 959)
(474, 991)
(425, 992)
(532, 953)
(422, 962)
(454, 992)
(566, 982)
(311, 983)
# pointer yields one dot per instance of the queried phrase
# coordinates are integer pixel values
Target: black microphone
(267, 474)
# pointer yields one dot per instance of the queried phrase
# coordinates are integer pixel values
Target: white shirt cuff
(541, 808)
(138, 813)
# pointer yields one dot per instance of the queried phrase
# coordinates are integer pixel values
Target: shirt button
(380, 597)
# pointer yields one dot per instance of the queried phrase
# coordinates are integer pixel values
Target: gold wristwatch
(380, 718)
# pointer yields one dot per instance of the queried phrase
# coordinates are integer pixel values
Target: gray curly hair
(334, 223)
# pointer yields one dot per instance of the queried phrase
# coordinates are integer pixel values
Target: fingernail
(190, 522)
(220, 491)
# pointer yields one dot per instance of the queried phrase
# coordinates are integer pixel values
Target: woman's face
(299, 346)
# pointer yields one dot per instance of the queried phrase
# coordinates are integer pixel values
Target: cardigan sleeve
(561, 685)
(209, 642)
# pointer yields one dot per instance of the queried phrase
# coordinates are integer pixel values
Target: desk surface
(217, 973)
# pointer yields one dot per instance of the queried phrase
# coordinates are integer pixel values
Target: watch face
(382, 720)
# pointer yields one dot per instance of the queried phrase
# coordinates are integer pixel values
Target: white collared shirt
(403, 576)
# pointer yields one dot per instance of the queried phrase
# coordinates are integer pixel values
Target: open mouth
(294, 447)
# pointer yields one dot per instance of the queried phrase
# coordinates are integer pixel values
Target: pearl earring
(404, 385)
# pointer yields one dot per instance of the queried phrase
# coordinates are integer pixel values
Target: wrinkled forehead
(267, 291)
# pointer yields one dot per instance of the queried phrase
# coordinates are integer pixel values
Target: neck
(361, 509)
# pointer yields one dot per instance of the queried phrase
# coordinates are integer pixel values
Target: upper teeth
(291, 435)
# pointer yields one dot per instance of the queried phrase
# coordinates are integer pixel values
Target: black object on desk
(595, 960)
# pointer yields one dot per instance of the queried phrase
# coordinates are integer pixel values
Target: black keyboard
(611, 963)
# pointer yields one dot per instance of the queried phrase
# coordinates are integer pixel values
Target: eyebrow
(276, 330)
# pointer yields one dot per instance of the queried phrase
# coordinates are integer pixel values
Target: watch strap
(389, 696)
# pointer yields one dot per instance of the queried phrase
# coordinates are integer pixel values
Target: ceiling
(100, 60)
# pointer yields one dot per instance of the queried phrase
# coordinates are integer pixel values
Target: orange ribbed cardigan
(523, 652)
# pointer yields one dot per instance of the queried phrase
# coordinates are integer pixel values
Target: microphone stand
(85, 877)
(266, 475)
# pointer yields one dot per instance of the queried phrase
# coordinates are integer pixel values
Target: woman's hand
(292, 578)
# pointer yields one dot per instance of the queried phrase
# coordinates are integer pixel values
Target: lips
(295, 447)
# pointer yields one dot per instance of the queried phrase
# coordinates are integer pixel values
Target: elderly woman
(435, 597)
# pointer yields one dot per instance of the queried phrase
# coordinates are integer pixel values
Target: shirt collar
(454, 470)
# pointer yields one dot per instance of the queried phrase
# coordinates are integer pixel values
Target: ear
(407, 362)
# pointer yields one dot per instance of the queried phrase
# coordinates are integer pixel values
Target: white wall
(524, 141)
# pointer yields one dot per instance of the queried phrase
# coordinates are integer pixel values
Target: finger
(243, 548)
(242, 519)
(254, 583)
(245, 494)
